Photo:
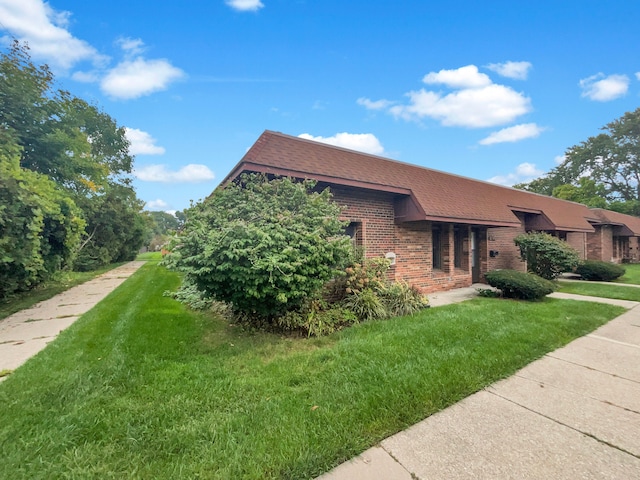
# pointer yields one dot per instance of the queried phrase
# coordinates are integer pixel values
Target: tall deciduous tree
(263, 246)
(62, 136)
(609, 161)
(115, 228)
(586, 192)
(164, 223)
(77, 147)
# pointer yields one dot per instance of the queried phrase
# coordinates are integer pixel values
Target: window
(354, 230)
(436, 242)
(458, 247)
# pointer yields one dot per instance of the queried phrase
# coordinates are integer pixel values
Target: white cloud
(515, 70)
(156, 205)
(371, 105)
(524, 172)
(463, 77)
(362, 142)
(132, 46)
(603, 88)
(45, 29)
(559, 159)
(638, 75)
(192, 173)
(513, 134)
(136, 78)
(472, 107)
(245, 5)
(46, 32)
(141, 143)
(475, 102)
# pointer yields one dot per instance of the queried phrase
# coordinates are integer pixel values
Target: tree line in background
(601, 172)
(66, 199)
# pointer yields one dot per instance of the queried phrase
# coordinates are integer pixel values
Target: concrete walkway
(25, 333)
(575, 413)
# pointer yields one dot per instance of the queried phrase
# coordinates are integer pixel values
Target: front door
(475, 255)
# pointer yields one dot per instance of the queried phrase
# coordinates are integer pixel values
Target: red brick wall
(578, 241)
(634, 249)
(413, 253)
(600, 244)
(415, 256)
(411, 242)
(375, 211)
(501, 240)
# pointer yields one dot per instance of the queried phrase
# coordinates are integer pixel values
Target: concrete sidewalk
(575, 413)
(25, 333)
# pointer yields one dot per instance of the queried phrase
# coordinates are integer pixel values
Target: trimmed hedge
(520, 285)
(599, 271)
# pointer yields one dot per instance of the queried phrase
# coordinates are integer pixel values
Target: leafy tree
(160, 227)
(78, 147)
(611, 159)
(61, 136)
(606, 165)
(164, 223)
(546, 184)
(546, 255)
(586, 192)
(40, 225)
(631, 207)
(115, 228)
(182, 217)
(262, 245)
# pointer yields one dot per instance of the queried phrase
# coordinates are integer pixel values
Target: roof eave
(471, 221)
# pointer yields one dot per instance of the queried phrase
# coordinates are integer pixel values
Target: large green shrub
(520, 285)
(599, 271)
(39, 225)
(546, 255)
(264, 246)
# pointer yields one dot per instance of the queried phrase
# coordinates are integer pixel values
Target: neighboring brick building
(441, 230)
(615, 238)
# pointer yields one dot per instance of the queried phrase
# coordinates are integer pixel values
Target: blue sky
(493, 90)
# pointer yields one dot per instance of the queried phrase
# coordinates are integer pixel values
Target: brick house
(615, 239)
(441, 231)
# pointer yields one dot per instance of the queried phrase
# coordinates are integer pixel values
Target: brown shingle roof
(608, 217)
(437, 195)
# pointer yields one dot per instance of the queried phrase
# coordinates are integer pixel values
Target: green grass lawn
(149, 256)
(619, 292)
(632, 274)
(139, 387)
(61, 282)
